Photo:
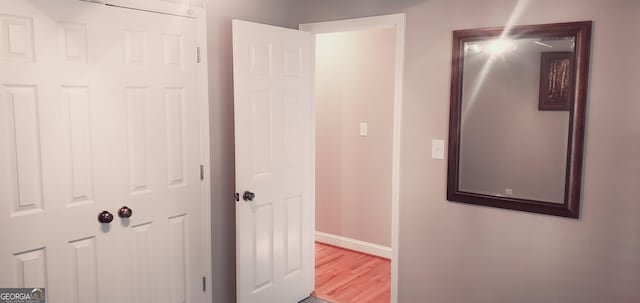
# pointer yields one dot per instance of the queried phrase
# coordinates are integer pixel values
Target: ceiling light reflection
(501, 46)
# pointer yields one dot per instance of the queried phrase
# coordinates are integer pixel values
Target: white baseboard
(352, 244)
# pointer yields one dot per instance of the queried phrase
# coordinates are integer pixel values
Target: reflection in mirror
(517, 117)
(509, 147)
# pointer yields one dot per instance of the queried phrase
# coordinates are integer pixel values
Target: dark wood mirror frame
(581, 31)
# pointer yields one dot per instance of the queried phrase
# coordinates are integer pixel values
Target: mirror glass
(517, 117)
(509, 145)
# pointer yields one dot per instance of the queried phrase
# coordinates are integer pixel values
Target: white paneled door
(98, 110)
(274, 163)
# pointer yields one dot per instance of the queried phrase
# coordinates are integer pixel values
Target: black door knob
(105, 217)
(248, 196)
(125, 212)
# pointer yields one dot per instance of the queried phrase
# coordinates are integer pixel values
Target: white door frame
(397, 22)
(205, 153)
(200, 16)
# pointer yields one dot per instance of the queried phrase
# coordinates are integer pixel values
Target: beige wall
(452, 252)
(354, 83)
(219, 16)
(506, 142)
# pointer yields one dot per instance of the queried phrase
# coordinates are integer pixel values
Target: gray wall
(504, 134)
(453, 252)
(219, 16)
(354, 83)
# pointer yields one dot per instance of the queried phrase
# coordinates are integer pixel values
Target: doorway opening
(358, 77)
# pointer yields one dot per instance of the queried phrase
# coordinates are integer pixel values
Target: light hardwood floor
(345, 276)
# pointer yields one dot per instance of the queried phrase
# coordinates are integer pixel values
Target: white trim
(313, 149)
(398, 22)
(353, 244)
(205, 153)
(386, 21)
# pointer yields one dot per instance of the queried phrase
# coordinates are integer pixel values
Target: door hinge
(237, 196)
(204, 284)
(201, 172)
(198, 54)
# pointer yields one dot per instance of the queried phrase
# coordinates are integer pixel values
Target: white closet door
(98, 110)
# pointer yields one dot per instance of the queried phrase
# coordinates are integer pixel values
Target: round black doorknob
(105, 217)
(125, 212)
(248, 196)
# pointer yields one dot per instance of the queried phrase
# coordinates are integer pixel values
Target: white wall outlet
(437, 149)
(508, 191)
(364, 129)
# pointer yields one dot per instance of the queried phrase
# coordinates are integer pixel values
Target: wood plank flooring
(345, 276)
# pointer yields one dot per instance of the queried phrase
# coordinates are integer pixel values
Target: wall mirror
(517, 117)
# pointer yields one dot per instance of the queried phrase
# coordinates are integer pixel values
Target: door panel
(95, 115)
(84, 282)
(274, 159)
(21, 106)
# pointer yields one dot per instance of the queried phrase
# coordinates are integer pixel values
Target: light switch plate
(364, 129)
(437, 149)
